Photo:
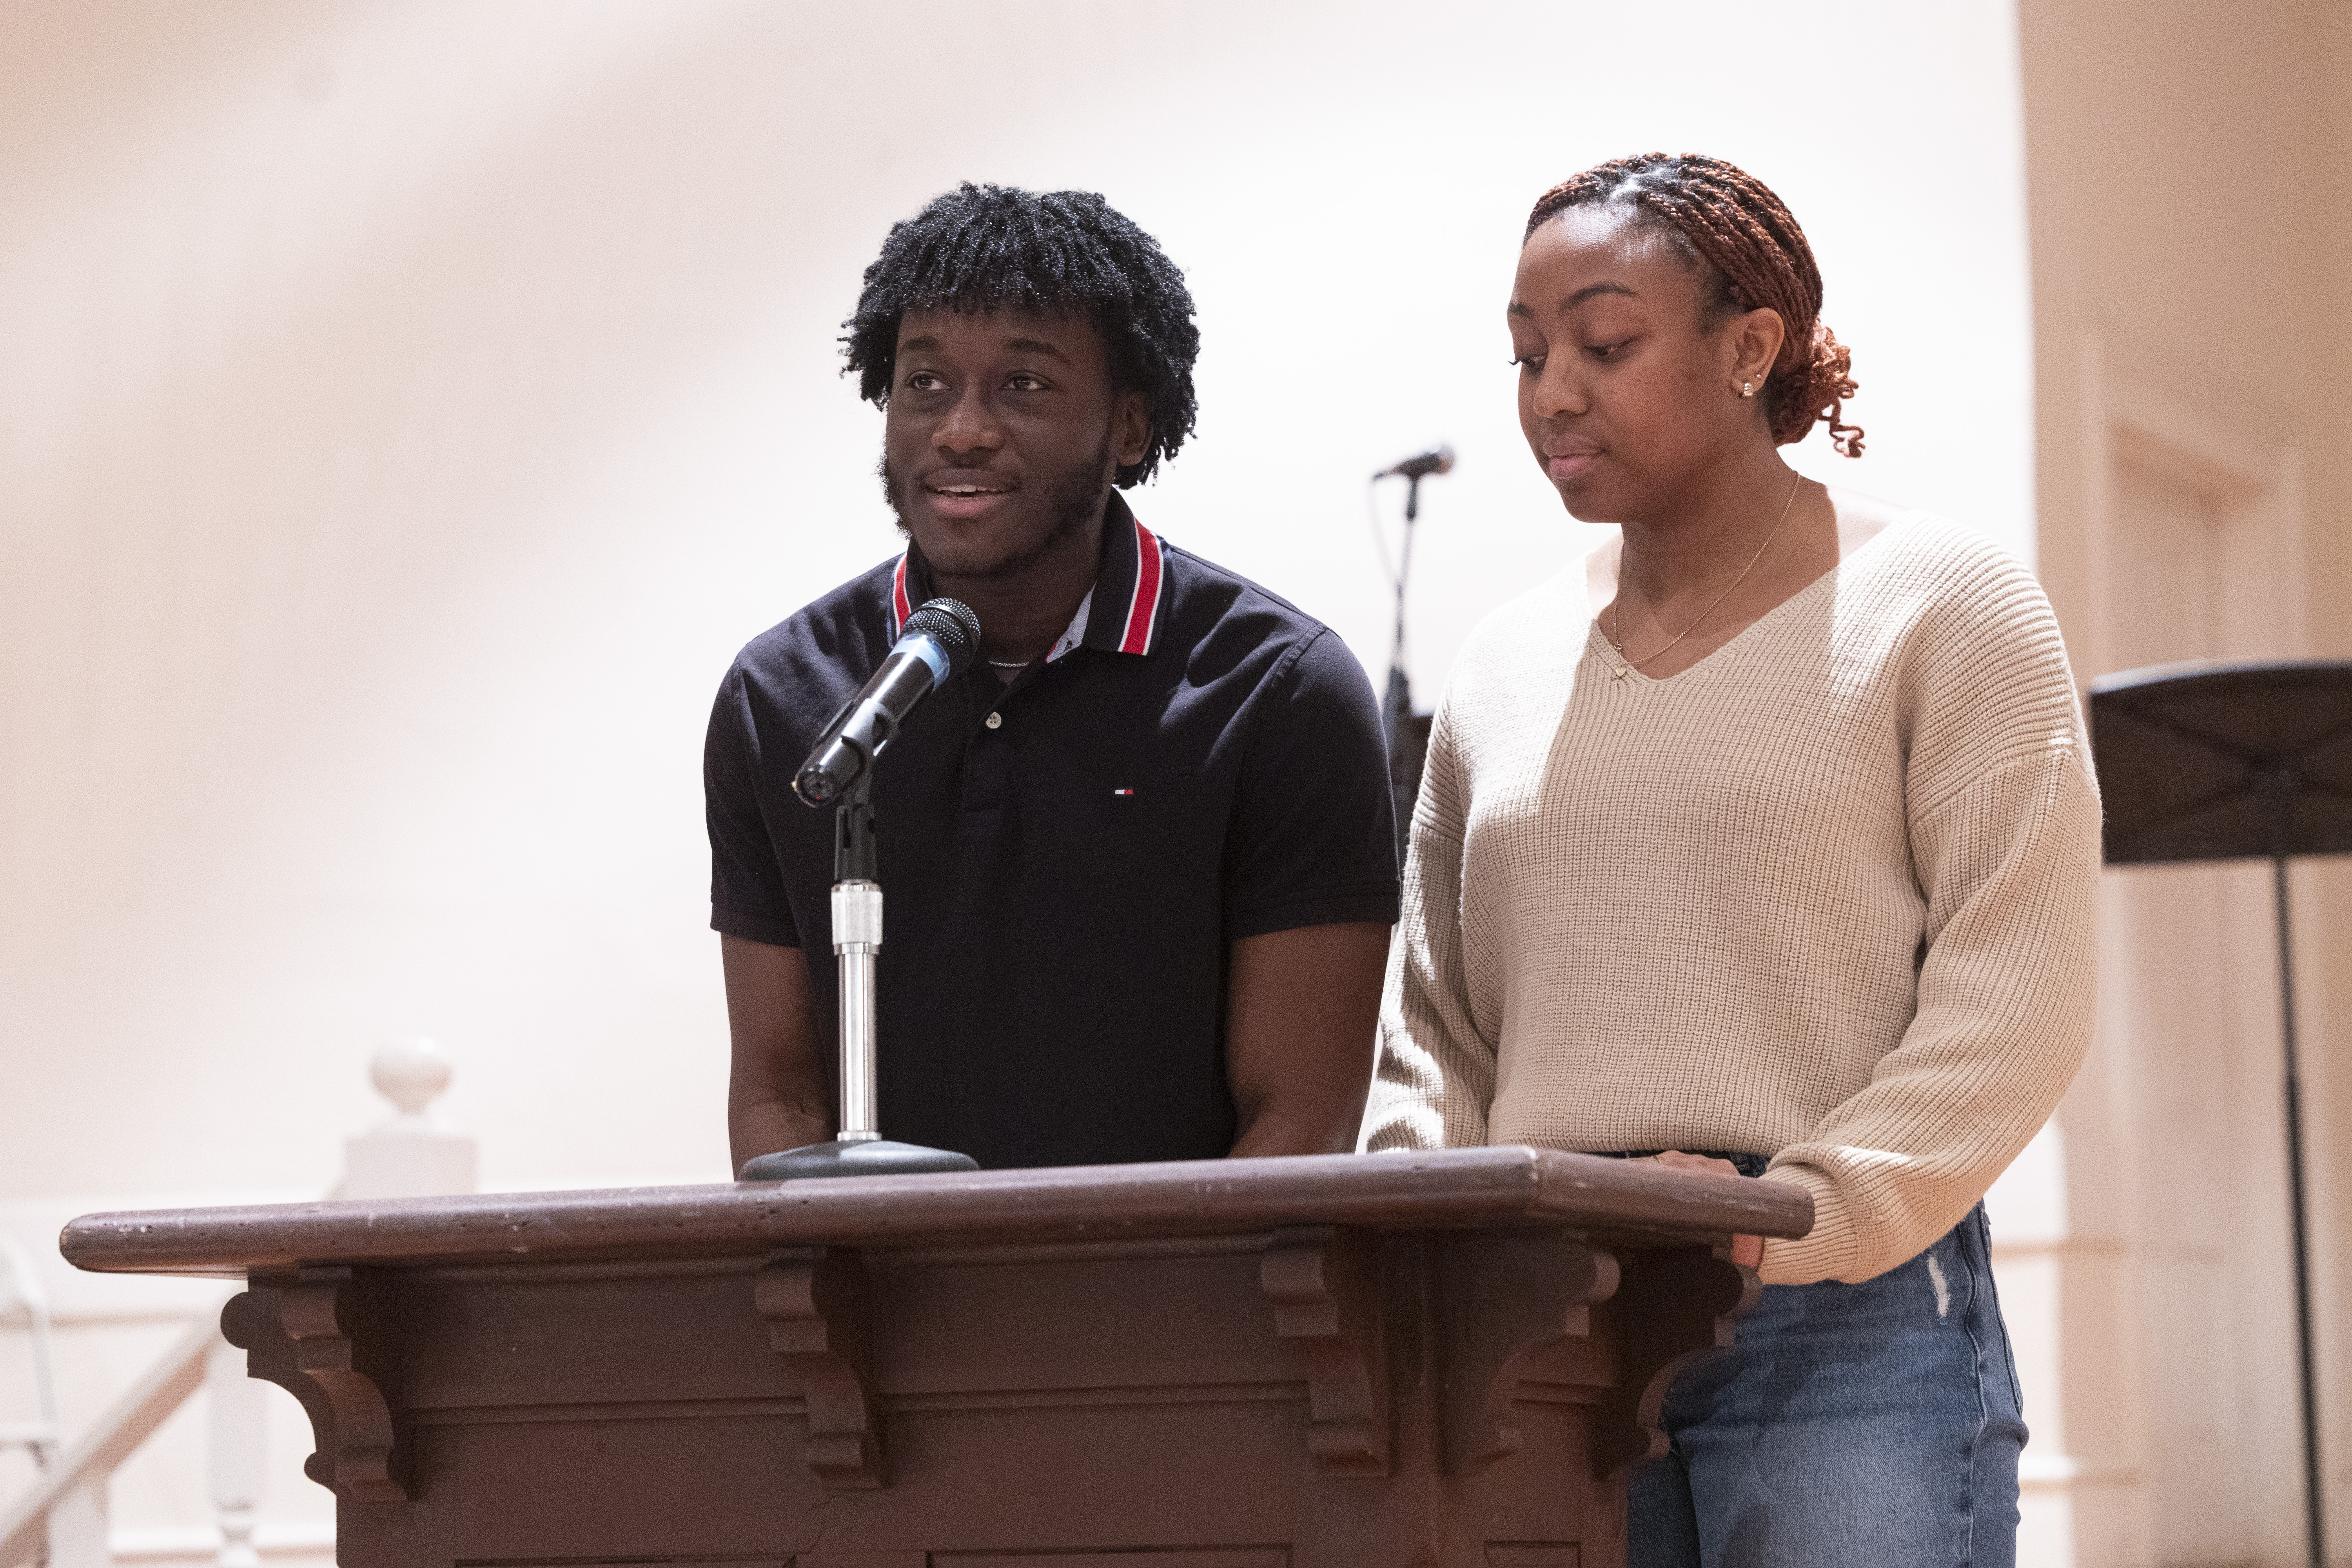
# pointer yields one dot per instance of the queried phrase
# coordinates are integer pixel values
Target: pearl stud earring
(1747, 389)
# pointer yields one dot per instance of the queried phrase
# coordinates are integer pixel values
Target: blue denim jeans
(1871, 1425)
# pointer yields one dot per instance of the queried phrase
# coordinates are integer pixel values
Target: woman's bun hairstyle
(1730, 226)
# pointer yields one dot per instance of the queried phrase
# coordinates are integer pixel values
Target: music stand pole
(2281, 788)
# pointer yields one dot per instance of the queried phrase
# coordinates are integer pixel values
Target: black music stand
(2234, 761)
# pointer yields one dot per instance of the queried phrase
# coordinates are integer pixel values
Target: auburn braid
(1734, 229)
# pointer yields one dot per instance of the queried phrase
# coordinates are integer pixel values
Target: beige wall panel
(2187, 163)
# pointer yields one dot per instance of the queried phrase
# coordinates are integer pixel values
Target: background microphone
(938, 640)
(1436, 460)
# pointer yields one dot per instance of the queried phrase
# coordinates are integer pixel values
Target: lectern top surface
(1454, 1188)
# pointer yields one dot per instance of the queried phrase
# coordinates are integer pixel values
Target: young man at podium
(1139, 856)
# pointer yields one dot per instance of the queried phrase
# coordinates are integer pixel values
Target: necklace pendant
(1619, 673)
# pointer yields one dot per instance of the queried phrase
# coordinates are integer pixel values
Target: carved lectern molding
(1325, 1285)
(298, 1331)
(1509, 1299)
(1675, 1306)
(820, 1322)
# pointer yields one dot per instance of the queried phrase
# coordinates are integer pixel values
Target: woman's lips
(1569, 465)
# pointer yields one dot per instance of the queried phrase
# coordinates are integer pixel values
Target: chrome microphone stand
(859, 1148)
(857, 944)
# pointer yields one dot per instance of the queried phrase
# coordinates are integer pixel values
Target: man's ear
(1131, 429)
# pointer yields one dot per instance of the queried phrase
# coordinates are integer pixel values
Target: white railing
(61, 1520)
(21, 1296)
(64, 1514)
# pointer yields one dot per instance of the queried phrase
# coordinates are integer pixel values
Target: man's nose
(969, 428)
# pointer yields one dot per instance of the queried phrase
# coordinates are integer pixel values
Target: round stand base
(864, 1157)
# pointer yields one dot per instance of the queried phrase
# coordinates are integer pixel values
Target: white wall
(407, 409)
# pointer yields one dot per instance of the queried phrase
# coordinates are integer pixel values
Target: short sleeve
(1313, 836)
(747, 886)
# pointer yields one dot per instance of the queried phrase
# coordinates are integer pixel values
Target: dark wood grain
(1432, 1361)
(1448, 1189)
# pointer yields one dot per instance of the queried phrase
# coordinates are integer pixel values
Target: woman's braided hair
(1751, 255)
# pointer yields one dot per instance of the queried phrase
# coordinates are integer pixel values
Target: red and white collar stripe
(899, 609)
(1142, 601)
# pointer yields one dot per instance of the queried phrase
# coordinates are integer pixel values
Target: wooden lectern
(1341, 1361)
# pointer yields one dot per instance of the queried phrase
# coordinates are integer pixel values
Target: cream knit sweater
(1825, 895)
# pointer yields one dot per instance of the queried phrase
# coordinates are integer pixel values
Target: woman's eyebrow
(1521, 308)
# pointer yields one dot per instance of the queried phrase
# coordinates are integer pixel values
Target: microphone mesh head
(951, 625)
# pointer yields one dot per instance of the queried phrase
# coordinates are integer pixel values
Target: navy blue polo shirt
(1065, 862)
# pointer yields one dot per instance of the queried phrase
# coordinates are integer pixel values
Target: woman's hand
(1747, 1251)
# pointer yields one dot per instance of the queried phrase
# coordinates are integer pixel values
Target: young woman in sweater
(1764, 839)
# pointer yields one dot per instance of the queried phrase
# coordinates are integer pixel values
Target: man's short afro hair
(1064, 253)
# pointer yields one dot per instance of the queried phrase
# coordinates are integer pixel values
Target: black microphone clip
(938, 640)
(1438, 460)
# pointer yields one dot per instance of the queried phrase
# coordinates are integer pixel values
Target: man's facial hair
(1074, 496)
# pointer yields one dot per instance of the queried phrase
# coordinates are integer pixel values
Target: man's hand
(775, 1089)
(1746, 1250)
(1301, 1011)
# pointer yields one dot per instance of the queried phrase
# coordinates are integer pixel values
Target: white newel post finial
(411, 1073)
(411, 1155)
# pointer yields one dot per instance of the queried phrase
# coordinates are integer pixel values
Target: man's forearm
(775, 1098)
(1302, 1011)
(763, 1124)
(1277, 1130)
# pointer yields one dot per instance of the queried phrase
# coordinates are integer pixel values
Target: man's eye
(923, 381)
(1021, 381)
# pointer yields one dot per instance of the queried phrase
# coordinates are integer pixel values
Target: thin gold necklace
(1627, 662)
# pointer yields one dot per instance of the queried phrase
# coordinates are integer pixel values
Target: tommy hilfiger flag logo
(1122, 791)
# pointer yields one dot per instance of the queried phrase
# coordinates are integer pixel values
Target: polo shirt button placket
(995, 720)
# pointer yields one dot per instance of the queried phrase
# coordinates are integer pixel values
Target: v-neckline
(1621, 669)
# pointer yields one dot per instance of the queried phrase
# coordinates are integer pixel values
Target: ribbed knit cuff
(1825, 1252)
